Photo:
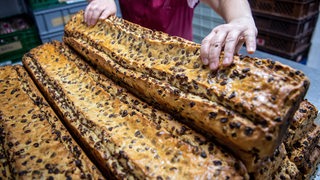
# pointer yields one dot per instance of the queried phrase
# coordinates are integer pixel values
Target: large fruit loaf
(298, 155)
(302, 140)
(4, 165)
(287, 170)
(281, 166)
(245, 106)
(34, 142)
(303, 150)
(127, 138)
(304, 154)
(313, 165)
(301, 123)
(271, 165)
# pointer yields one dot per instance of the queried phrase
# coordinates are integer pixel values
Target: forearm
(230, 9)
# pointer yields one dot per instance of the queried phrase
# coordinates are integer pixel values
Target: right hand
(99, 9)
(229, 37)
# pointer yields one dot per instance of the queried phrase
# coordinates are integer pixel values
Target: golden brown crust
(4, 165)
(312, 165)
(300, 162)
(34, 141)
(301, 123)
(302, 150)
(179, 60)
(123, 139)
(271, 165)
(167, 71)
(236, 128)
(287, 170)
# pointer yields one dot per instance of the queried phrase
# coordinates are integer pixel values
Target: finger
(229, 47)
(204, 49)
(216, 44)
(250, 39)
(106, 13)
(89, 12)
(86, 14)
(95, 16)
(239, 45)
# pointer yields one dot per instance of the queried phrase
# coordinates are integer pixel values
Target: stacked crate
(285, 26)
(17, 36)
(50, 17)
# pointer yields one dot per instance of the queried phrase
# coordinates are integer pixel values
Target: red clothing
(171, 16)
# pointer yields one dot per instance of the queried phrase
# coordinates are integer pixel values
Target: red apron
(171, 16)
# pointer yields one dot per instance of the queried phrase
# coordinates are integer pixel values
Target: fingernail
(250, 50)
(205, 61)
(212, 66)
(226, 61)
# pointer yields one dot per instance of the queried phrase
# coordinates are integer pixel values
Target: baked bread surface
(302, 122)
(246, 107)
(34, 142)
(127, 140)
(298, 156)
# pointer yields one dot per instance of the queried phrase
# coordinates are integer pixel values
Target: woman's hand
(99, 9)
(240, 28)
(230, 38)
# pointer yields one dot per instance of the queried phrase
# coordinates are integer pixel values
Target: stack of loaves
(123, 102)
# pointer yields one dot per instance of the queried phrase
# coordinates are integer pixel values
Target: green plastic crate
(14, 45)
(43, 4)
(53, 20)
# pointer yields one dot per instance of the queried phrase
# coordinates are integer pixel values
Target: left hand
(230, 38)
(99, 9)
